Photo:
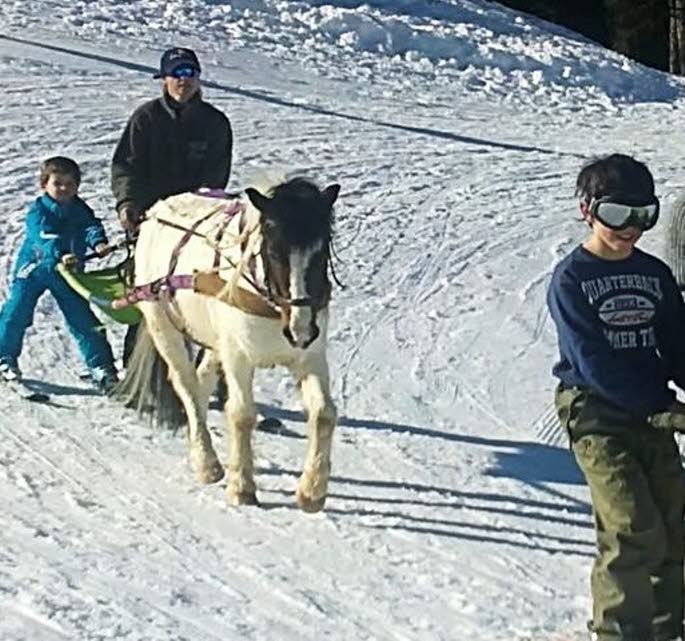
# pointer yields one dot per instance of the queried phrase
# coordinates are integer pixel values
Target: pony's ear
(258, 200)
(330, 194)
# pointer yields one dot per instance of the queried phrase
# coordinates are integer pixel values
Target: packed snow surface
(456, 130)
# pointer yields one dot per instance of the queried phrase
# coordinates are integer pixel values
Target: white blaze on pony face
(302, 327)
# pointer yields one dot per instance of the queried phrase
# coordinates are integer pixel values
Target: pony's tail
(146, 387)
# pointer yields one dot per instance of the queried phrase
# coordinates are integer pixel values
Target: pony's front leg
(207, 377)
(321, 417)
(171, 346)
(241, 416)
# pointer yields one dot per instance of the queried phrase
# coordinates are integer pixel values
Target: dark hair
(59, 165)
(614, 174)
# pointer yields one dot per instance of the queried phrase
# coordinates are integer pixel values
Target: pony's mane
(303, 215)
(265, 180)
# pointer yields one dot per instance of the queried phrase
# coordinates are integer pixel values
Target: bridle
(316, 303)
(278, 301)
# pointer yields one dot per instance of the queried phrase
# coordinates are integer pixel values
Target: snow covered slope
(456, 130)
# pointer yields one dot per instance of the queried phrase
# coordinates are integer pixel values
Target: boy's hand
(672, 419)
(69, 260)
(102, 249)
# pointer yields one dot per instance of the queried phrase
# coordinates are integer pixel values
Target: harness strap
(251, 261)
(218, 238)
(190, 232)
(206, 283)
(171, 282)
(153, 291)
(211, 284)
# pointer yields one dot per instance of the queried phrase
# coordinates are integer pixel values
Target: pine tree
(639, 29)
(676, 52)
(649, 31)
(587, 16)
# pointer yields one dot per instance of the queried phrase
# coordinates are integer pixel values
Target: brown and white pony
(247, 279)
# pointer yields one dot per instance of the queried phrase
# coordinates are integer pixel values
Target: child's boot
(9, 370)
(104, 378)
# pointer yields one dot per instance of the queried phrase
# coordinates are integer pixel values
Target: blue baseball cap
(177, 57)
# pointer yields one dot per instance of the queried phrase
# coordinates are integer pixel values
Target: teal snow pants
(17, 316)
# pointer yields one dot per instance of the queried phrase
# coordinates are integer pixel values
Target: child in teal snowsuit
(59, 227)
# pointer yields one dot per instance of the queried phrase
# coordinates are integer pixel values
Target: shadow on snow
(530, 462)
(533, 464)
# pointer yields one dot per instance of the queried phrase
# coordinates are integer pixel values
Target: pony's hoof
(205, 463)
(211, 474)
(243, 498)
(309, 505)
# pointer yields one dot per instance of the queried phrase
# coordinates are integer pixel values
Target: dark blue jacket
(53, 230)
(621, 328)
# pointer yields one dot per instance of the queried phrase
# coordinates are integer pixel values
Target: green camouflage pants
(638, 497)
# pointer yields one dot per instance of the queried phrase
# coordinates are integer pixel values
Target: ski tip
(37, 397)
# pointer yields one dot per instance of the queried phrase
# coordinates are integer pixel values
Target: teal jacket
(54, 229)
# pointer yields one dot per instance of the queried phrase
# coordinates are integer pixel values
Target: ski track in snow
(455, 509)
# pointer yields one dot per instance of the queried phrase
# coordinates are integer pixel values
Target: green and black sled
(100, 288)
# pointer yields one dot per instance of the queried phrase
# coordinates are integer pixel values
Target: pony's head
(296, 220)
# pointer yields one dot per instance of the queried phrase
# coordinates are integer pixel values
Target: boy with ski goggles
(622, 211)
(620, 322)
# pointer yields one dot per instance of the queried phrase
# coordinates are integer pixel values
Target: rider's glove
(672, 419)
(129, 216)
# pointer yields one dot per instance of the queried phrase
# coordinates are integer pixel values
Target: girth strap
(171, 282)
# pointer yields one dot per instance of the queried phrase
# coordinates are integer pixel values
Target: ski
(26, 393)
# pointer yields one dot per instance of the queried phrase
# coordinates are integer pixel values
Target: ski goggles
(184, 71)
(620, 212)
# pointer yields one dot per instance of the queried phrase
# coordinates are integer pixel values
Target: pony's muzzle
(302, 342)
(315, 331)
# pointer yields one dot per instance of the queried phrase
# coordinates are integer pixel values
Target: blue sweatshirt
(621, 328)
(54, 229)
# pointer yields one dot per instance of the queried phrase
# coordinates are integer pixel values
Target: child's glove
(69, 260)
(102, 249)
(672, 419)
